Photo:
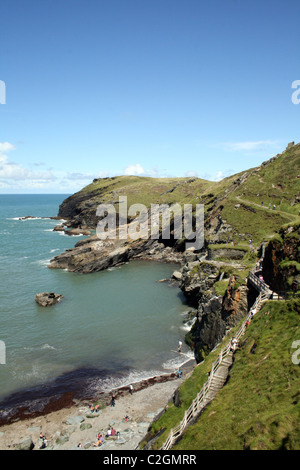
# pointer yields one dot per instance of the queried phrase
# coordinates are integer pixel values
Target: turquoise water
(112, 327)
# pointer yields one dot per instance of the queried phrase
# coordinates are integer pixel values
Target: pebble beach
(77, 428)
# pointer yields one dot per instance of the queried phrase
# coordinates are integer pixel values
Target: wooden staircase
(220, 368)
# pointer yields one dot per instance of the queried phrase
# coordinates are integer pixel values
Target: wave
(178, 361)
(42, 346)
(63, 234)
(188, 325)
(42, 262)
(22, 218)
(84, 383)
(114, 382)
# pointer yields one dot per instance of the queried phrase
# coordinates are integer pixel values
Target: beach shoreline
(70, 422)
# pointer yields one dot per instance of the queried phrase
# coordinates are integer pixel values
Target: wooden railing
(202, 398)
(259, 284)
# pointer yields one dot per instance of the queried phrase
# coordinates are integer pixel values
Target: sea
(112, 328)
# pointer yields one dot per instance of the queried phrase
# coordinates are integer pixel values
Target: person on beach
(112, 403)
(44, 440)
(98, 444)
(179, 347)
(130, 389)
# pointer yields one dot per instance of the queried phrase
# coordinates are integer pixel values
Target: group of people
(94, 408)
(44, 440)
(234, 341)
(274, 207)
(111, 432)
(100, 440)
(259, 265)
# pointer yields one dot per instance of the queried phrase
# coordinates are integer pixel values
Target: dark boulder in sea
(48, 298)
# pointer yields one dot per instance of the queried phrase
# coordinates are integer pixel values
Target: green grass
(275, 183)
(188, 391)
(287, 264)
(228, 246)
(220, 287)
(147, 191)
(259, 406)
(261, 225)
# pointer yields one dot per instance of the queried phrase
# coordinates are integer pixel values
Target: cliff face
(215, 313)
(236, 209)
(80, 208)
(281, 266)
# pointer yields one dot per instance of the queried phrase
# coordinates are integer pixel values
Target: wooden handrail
(202, 397)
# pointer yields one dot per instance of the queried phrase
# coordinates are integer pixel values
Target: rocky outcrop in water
(46, 299)
(92, 254)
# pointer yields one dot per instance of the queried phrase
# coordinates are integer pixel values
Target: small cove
(112, 328)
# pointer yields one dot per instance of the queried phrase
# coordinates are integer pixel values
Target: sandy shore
(67, 427)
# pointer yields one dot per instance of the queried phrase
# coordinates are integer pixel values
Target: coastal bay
(111, 328)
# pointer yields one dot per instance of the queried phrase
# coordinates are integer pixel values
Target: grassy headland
(258, 408)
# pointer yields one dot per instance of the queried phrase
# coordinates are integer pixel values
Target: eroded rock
(46, 299)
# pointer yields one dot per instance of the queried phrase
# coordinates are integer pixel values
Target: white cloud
(219, 176)
(191, 173)
(102, 174)
(6, 147)
(16, 177)
(139, 170)
(249, 146)
(15, 171)
(134, 170)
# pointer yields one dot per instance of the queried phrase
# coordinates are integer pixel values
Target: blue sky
(149, 87)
